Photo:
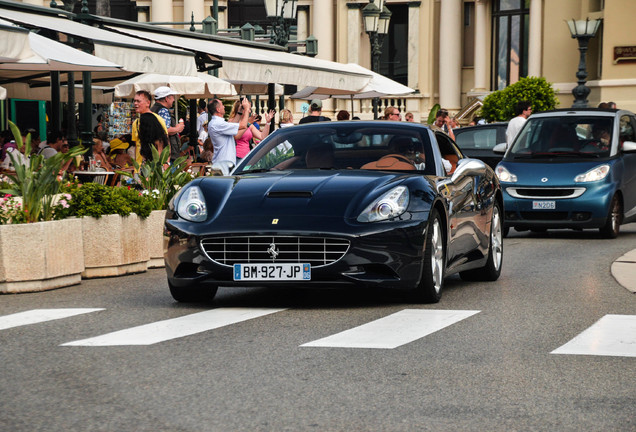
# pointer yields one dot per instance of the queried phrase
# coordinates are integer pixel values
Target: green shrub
(93, 199)
(500, 105)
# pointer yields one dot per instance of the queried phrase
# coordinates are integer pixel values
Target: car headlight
(595, 174)
(504, 175)
(192, 205)
(391, 204)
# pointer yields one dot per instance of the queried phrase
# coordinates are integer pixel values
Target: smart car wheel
(191, 294)
(429, 290)
(613, 224)
(492, 269)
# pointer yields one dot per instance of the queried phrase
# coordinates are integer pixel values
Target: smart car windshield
(586, 137)
(342, 147)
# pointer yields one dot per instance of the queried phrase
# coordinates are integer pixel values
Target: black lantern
(376, 25)
(583, 31)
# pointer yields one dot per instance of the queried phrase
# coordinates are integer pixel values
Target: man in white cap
(315, 113)
(164, 100)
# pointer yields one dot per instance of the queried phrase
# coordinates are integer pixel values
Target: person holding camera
(222, 133)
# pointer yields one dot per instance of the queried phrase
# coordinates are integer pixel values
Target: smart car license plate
(543, 205)
(272, 272)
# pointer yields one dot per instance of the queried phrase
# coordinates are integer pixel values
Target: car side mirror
(469, 167)
(500, 148)
(629, 147)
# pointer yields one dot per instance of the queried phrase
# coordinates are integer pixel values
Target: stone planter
(154, 229)
(41, 256)
(114, 245)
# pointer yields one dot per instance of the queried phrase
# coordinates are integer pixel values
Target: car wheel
(492, 269)
(192, 294)
(614, 219)
(429, 290)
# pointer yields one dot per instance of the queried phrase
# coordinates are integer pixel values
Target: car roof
(601, 112)
(494, 125)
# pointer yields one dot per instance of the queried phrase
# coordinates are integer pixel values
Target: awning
(133, 54)
(14, 42)
(3, 93)
(242, 63)
(48, 55)
(200, 86)
(18, 90)
(379, 86)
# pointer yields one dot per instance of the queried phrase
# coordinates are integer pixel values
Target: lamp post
(583, 31)
(281, 13)
(376, 25)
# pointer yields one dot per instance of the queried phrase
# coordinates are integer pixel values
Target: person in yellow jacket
(148, 129)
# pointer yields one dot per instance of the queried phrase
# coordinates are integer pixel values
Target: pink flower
(64, 204)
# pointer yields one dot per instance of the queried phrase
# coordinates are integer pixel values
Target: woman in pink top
(244, 136)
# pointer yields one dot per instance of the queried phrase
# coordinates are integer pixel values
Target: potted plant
(37, 252)
(160, 182)
(113, 232)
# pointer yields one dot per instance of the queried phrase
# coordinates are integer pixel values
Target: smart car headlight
(192, 205)
(504, 175)
(390, 205)
(595, 174)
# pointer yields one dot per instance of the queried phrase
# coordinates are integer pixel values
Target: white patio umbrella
(3, 93)
(378, 86)
(200, 86)
(18, 90)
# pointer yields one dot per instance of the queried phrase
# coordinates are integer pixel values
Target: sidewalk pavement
(624, 270)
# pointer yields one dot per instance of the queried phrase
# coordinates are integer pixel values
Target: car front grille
(545, 215)
(543, 193)
(317, 251)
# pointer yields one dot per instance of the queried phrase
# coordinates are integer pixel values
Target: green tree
(500, 105)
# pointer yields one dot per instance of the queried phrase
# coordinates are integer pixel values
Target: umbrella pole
(352, 106)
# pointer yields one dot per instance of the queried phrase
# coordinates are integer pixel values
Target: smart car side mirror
(500, 148)
(629, 147)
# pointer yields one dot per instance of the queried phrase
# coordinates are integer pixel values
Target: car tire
(192, 294)
(492, 269)
(614, 219)
(429, 289)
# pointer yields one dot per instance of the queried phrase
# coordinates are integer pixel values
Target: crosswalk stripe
(612, 335)
(394, 330)
(40, 315)
(174, 328)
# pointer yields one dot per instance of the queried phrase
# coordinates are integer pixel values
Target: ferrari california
(339, 204)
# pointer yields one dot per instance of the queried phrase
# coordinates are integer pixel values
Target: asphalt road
(491, 371)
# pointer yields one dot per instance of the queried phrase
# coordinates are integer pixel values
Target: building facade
(449, 51)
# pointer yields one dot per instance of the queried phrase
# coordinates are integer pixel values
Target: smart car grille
(542, 193)
(317, 251)
(543, 215)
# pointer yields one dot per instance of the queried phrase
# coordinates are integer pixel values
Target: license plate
(543, 205)
(272, 272)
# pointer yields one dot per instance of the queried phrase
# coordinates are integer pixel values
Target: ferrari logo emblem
(274, 221)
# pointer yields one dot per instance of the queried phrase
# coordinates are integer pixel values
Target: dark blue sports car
(338, 204)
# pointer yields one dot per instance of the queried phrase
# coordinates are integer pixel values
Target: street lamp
(583, 31)
(281, 13)
(376, 25)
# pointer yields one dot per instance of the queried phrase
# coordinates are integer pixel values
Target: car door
(628, 133)
(462, 208)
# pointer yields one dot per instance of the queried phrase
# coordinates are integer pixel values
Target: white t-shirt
(514, 126)
(222, 135)
(48, 152)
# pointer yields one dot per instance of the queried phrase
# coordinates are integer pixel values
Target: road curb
(624, 271)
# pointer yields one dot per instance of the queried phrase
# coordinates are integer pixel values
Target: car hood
(279, 198)
(549, 174)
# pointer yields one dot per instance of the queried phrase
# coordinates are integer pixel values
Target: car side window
(627, 129)
(449, 151)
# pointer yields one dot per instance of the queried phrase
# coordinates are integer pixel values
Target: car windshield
(342, 146)
(481, 137)
(586, 137)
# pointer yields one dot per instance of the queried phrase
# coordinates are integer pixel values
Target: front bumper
(589, 210)
(384, 255)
